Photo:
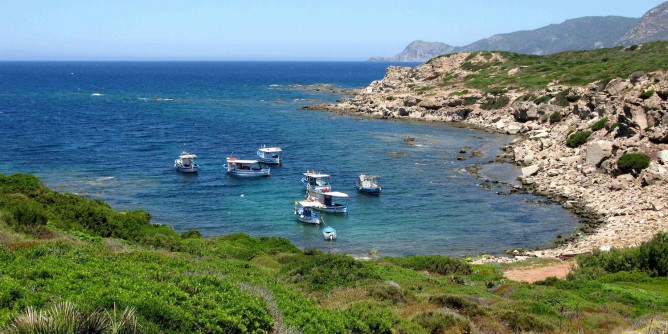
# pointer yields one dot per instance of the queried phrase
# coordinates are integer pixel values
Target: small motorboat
(368, 184)
(328, 201)
(186, 163)
(305, 214)
(270, 155)
(329, 233)
(316, 181)
(245, 168)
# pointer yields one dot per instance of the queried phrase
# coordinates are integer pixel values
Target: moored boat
(305, 214)
(186, 163)
(270, 155)
(313, 180)
(329, 233)
(245, 168)
(368, 184)
(330, 201)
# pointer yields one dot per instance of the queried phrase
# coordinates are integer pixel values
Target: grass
(238, 284)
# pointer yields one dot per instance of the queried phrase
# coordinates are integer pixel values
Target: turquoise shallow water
(113, 130)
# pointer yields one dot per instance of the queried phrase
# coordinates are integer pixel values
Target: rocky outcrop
(418, 51)
(653, 26)
(629, 208)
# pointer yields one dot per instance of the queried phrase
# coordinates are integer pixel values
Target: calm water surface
(112, 131)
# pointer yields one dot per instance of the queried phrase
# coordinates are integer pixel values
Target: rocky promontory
(612, 117)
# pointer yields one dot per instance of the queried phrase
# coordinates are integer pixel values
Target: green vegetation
(646, 94)
(494, 103)
(633, 162)
(574, 68)
(578, 138)
(600, 124)
(74, 265)
(555, 117)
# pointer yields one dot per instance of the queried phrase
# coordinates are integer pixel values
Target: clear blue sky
(269, 30)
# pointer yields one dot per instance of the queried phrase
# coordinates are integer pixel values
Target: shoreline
(618, 210)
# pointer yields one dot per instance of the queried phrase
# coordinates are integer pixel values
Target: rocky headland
(618, 116)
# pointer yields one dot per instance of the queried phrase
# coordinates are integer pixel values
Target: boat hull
(186, 169)
(313, 218)
(372, 191)
(329, 234)
(333, 209)
(270, 161)
(248, 173)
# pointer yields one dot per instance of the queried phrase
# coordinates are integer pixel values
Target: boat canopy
(315, 175)
(311, 204)
(187, 156)
(335, 194)
(271, 149)
(238, 161)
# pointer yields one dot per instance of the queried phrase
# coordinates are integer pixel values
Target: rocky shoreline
(623, 115)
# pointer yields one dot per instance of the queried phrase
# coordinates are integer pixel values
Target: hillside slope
(52, 251)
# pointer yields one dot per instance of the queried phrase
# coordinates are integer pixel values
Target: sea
(112, 130)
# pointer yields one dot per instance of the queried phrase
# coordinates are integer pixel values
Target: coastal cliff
(613, 100)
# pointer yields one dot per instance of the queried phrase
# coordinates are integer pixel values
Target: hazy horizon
(77, 30)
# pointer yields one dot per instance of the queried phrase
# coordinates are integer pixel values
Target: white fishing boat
(329, 201)
(313, 180)
(270, 155)
(368, 184)
(305, 214)
(245, 168)
(329, 233)
(186, 163)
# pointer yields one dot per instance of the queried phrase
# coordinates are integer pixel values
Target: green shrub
(388, 293)
(470, 100)
(600, 124)
(365, 317)
(328, 271)
(633, 162)
(578, 138)
(542, 99)
(555, 117)
(191, 234)
(495, 103)
(442, 265)
(646, 94)
(561, 99)
(441, 322)
(650, 257)
(460, 304)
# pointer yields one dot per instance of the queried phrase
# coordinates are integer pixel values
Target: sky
(270, 29)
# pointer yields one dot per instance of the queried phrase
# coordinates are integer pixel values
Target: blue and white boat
(245, 168)
(329, 233)
(316, 181)
(270, 155)
(186, 163)
(328, 201)
(368, 184)
(305, 214)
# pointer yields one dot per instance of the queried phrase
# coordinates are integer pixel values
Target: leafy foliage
(578, 138)
(493, 103)
(600, 124)
(555, 117)
(631, 162)
(434, 263)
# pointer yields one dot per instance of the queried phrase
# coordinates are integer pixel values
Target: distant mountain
(653, 26)
(583, 33)
(419, 51)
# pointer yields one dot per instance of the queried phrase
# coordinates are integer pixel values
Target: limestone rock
(530, 170)
(597, 151)
(663, 157)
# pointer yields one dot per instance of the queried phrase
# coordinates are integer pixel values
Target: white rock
(597, 151)
(530, 170)
(663, 157)
(570, 160)
(513, 129)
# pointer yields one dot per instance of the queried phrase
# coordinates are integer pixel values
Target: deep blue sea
(112, 130)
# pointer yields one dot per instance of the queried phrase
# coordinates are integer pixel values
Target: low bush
(578, 138)
(646, 94)
(650, 257)
(555, 117)
(492, 103)
(600, 124)
(460, 304)
(434, 263)
(561, 99)
(319, 271)
(633, 162)
(441, 322)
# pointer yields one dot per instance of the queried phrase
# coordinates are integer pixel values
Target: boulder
(431, 104)
(530, 170)
(663, 157)
(654, 174)
(513, 129)
(597, 151)
(525, 112)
